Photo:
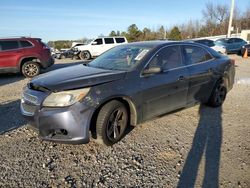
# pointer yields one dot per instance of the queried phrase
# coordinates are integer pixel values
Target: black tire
(218, 95)
(30, 69)
(111, 123)
(85, 55)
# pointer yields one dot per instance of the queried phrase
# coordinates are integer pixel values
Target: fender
(132, 106)
(26, 57)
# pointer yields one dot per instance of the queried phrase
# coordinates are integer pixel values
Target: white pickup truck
(98, 46)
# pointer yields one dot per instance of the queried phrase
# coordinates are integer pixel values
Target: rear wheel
(111, 123)
(85, 55)
(30, 69)
(218, 95)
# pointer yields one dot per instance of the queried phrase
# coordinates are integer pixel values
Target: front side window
(167, 58)
(98, 42)
(195, 54)
(109, 40)
(9, 45)
(121, 58)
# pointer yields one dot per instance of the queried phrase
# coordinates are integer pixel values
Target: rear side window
(120, 40)
(195, 54)
(109, 40)
(9, 45)
(167, 58)
(25, 44)
(237, 40)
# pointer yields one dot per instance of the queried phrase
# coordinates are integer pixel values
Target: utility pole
(230, 19)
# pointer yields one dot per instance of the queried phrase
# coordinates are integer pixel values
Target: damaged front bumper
(65, 125)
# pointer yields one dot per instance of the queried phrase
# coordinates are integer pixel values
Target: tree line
(215, 18)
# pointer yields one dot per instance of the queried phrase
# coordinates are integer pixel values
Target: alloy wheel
(31, 69)
(116, 124)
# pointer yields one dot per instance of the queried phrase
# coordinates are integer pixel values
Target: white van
(99, 45)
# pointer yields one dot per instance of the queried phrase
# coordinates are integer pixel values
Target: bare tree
(216, 18)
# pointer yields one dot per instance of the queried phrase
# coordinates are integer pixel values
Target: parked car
(25, 55)
(244, 48)
(98, 46)
(211, 44)
(72, 53)
(125, 86)
(232, 45)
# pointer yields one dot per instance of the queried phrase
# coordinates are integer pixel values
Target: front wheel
(111, 123)
(31, 69)
(85, 55)
(218, 95)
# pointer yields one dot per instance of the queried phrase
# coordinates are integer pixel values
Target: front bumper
(65, 125)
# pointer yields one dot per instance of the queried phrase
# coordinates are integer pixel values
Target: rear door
(165, 91)
(238, 43)
(200, 64)
(9, 53)
(109, 43)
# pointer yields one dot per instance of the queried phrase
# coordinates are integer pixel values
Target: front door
(165, 91)
(97, 47)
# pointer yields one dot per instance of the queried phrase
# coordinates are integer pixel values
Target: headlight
(65, 98)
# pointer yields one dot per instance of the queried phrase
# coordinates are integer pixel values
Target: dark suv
(25, 55)
(125, 86)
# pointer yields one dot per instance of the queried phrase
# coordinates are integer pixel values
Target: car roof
(160, 43)
(203, 40)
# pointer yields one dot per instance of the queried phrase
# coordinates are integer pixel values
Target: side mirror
(152, 70)
(94, 43)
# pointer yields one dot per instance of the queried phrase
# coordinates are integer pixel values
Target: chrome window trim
(185, 66)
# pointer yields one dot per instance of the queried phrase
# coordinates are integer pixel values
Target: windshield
(120, 58)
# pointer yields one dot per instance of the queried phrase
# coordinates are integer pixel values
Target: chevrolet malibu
(123, 87)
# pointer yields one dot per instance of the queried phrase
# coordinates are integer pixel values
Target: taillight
(45, 47)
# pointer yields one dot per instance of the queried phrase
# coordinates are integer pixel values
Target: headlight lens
(65, 98)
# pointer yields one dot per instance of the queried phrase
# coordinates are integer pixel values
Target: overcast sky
(54, 19)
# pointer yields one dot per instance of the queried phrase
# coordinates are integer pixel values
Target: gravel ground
(198, 146)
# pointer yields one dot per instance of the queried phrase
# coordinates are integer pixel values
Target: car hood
(74, 77)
